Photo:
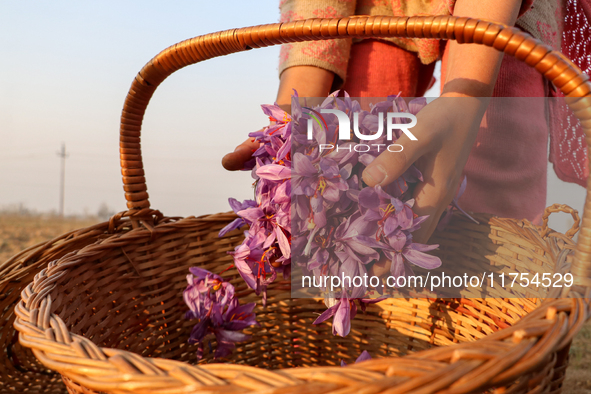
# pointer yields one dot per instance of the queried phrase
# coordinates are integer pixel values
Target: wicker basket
(19, 370)
(109, 316)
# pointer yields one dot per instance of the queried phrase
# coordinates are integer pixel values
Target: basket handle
(553, 65)
(560, 208)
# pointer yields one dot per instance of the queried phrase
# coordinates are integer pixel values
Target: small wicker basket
(109, 316)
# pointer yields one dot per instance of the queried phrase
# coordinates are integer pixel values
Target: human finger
(389, 166)
(234, 161)
(432, 197)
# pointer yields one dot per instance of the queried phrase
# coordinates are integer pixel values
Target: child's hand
(234, 161)
(446, 130)
(308, 81)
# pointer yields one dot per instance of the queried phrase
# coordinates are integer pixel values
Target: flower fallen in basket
(340, 225)
(213, 302)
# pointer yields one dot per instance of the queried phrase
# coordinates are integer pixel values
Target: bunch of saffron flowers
(312, 209)
(212, 301)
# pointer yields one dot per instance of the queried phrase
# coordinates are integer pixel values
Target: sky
(66, 68)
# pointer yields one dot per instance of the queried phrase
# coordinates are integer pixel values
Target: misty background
(66, 68)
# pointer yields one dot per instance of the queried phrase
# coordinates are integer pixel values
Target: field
(18, 232)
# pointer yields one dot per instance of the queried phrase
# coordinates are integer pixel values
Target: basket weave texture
(109, 315)
(19, 370)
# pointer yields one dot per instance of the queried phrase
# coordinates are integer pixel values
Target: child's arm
(309, 81)
(446, 128)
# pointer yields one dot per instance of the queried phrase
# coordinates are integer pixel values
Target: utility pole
(63, 155)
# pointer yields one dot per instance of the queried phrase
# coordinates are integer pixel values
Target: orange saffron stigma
(262, 263)
(387, 212)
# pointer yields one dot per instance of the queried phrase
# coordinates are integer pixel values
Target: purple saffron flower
(453, 206)
(237, 207)
(364, 356)
(268, 219)
(320, 182)
(212, 301)
(205, 289)
(227, 325)
(255, 263)
(343, 311)
(274, 172)
(388, 212)
(403, 251)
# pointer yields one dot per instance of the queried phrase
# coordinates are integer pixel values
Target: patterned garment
(562, 24)
(333, 55)
(568, 149)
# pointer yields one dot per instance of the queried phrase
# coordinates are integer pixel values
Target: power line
(63, 155)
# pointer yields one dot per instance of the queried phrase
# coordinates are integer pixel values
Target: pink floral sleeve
(333, 55)
(330, 55)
